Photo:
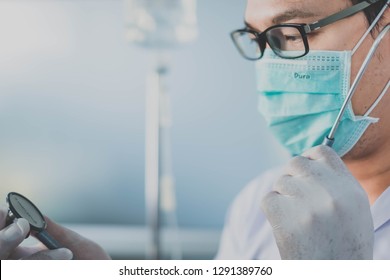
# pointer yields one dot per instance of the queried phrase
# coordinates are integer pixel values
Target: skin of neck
(369, 160)
(372, 172)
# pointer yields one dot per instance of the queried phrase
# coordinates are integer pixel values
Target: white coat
(248, 235)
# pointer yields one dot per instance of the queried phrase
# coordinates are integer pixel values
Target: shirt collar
(380, 210)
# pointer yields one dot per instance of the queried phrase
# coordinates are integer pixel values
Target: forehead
(262, 13)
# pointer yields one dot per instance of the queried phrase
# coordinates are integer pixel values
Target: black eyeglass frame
(303, 28)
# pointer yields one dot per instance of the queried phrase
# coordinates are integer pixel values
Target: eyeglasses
(287, 40)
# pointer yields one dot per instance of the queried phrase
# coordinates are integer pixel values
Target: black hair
(372, 11)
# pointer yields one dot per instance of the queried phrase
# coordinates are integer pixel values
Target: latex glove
(318, 210)
(13, 235)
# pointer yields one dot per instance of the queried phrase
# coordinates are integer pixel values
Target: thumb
(12, 236)
(57, 254)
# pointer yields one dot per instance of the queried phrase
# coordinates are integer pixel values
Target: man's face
(341, 35)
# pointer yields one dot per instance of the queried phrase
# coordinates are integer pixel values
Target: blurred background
(72, 117)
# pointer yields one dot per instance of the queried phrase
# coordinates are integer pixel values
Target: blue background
(72, 113)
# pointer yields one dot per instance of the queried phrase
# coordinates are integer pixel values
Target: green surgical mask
(301, 98)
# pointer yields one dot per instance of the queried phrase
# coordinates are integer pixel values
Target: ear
(385, 18)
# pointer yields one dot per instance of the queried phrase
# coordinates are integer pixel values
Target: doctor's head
(306, 57)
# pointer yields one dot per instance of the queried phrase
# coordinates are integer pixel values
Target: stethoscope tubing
(329, 140)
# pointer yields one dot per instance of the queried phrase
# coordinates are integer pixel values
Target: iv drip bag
(161, 23)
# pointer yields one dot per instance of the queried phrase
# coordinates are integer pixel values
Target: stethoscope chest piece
(21, 207)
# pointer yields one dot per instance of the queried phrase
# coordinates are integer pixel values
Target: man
(318, 207)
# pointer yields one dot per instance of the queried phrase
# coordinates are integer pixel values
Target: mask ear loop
(376, 102)
(373, 24)
(369, 111)
(329, 140)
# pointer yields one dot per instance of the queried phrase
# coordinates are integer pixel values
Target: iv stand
(160, 25)
(159, 181)
(152, 159)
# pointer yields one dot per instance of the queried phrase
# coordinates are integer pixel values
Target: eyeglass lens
(285, 41)
(247, 44)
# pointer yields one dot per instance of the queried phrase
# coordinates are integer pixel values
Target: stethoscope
(329, 140)
(21, 207)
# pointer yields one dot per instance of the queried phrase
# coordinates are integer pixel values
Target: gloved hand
(318, 210)
(12, 236)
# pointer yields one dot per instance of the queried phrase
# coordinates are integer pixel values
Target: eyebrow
(286, 16)
(289, 15)
(247, 24)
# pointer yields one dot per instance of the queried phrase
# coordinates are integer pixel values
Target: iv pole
(158, 165)
(159, 25)
(152, 161)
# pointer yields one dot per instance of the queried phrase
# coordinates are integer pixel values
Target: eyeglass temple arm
(338, 16)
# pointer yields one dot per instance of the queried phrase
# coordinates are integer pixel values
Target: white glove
(318, 210)
(11, 236)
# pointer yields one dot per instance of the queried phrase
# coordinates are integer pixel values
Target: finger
(326, 154)
(320, 152)
(21, 252)
(281, 213)
(57, 254)
(288, 185)
(81, 247)
(272, 206)
(64, 236)
(298, 166)
(3, 216)
(12, 236)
